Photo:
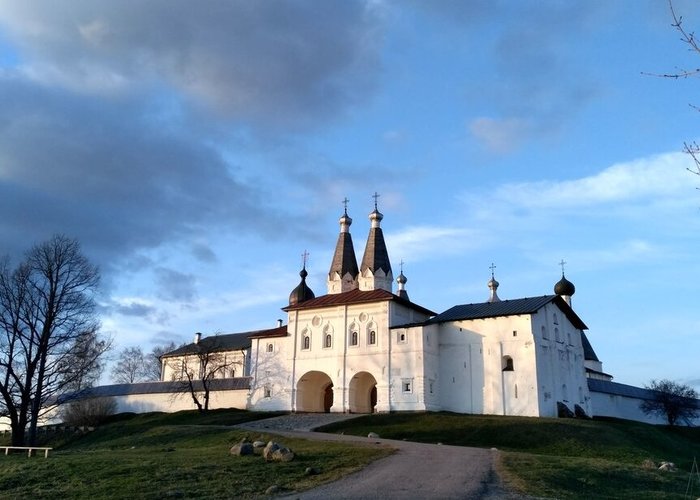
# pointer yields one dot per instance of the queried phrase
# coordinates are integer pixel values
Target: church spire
(493, 286)
(343, 274)
(375, 271)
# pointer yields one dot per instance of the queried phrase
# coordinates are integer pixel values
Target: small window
(515, 333)
(568, 337)
(268, 391)
(515, 391)
(430, 385)
(306, 343)
(353, 338)
(401, 338)
(544, 332)
(507, 364)
(328, 342)
(407, 385)
(555, 320)
(372, 340)
(270, 347)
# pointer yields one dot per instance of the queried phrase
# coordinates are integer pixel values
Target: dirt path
(416, 470)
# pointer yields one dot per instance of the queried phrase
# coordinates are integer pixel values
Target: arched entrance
(363, 393)
(314, 392)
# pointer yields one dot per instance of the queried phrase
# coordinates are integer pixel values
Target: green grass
(556, 458)
(180, 455)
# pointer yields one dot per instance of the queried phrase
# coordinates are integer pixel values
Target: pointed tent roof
(344, 260)
(376, 255)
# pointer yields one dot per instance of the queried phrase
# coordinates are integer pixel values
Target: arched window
(507, 363)
(544, 332)
(270, 347)
(268, 391)
(328, 342)
(372, 338)
(353, 338)
(306, 343)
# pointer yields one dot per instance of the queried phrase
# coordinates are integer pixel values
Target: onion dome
(564, 287)
(493, 286)
(302, 292)
(401, 280)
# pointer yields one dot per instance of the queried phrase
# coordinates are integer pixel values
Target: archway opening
(363, 393)
(314, 393)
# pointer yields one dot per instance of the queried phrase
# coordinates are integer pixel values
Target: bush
(89, 412)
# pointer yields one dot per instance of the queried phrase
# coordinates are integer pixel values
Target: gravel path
(415, 471)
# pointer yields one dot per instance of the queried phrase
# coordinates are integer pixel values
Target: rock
(648, 464)
(241, 449)
(311, 471)
(563, 411)
(269, 449)
(272, 490)
(283, 454)
(668, 466)
(259, 444)
(373, 435)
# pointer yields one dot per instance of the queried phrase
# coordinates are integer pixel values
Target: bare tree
(688, 38)
(673, 401)
(198, 366)
(153, 364)
(130, 366)
(46, 311)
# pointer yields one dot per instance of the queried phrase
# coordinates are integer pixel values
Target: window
(306, 342)
(270, 348)
(328, 342)
(556, 321)
(515, 391)
(515, 333)
(268, 391)
(430, 385)
(353, 338)
(568, 337)
(544, 332)
(407, 385)
(401, 337)
(507, 364)
(372, 339)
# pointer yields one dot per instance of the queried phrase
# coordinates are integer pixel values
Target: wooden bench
(29, 449)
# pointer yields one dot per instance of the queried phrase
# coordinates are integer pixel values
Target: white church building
(365, 347)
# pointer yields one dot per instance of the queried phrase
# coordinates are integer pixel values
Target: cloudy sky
(198, 151)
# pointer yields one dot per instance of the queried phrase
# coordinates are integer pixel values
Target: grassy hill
(558, 458)
(178, 455)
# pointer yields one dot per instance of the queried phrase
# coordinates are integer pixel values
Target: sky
(197, 150)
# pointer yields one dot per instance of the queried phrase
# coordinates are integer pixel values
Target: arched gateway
(314, 392)
(363, 393)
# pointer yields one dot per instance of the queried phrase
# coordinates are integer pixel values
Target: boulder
(282, 454)
(311, 471)
(259, 444)
(269, 449)
(241, 449)
(668, 466)
(373, 435)
(648, 464)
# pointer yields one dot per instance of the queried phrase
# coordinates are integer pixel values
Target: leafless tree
(672, 400)
(152, 360)
(688, 38)
(130, 366)
(197, 369)
(47, 316)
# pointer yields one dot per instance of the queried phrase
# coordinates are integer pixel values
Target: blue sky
(198, 151)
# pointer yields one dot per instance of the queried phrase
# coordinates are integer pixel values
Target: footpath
(415, 471)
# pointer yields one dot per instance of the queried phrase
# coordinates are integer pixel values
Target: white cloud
(421, 242)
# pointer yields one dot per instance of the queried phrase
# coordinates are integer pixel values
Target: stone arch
(314, 393)
(363, 393)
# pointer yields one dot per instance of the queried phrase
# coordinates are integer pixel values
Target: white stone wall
(236, 364)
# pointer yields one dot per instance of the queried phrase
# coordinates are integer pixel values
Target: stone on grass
(259, 444)
(241, 449)
(668, 466)
(272, 490)
(373, 435)
(274, 452)
(311, 471)
(648, 464)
